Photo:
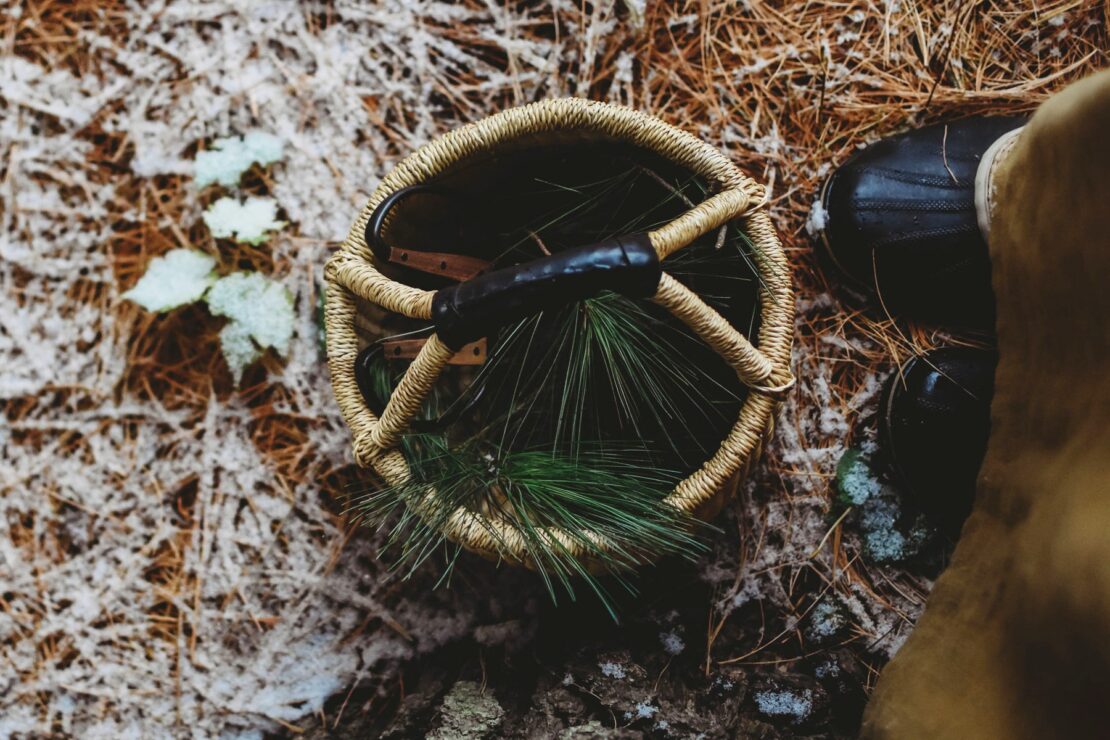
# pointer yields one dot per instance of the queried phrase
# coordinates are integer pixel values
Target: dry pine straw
(788, 89)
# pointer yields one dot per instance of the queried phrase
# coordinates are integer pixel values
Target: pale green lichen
(592, 730)
(247, 222)
(263, 306)
(642, 710)
(612, 670)
(884, 538)
(227, 159)
(795, 706)
(175, 279)
(238, 348)
(261, 313)
(887, 535)
(673, 643)
(467, 713)
(855, 480)
(826, 620)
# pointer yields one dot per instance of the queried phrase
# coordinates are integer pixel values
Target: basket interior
(613, 382)
(549, 192)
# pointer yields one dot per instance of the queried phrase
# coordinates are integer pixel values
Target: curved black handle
(376, 222)
(475, 308)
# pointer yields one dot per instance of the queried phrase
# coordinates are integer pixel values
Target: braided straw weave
(765, 369)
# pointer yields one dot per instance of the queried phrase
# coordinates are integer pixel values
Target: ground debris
(175, 557)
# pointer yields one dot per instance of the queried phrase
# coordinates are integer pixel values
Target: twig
(824, 539)
(944, 156)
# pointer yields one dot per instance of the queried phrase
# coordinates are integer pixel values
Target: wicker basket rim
(351, 272)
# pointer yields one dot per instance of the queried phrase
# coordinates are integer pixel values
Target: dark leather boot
(935, 420)
(899, 221)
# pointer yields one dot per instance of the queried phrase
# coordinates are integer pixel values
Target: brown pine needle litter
(173, 552)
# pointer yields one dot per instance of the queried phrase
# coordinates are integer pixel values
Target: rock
(418, 708)
(594, 730)
(467, 713)
(615, 679)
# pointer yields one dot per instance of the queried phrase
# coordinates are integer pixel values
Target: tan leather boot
(1015, 640)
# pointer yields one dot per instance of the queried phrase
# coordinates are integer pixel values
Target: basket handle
(443, 264)
(475, 308)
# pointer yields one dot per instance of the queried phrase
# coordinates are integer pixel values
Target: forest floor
(175, 559)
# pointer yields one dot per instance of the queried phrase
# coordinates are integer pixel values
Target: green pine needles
(553, 500)
(583, 419)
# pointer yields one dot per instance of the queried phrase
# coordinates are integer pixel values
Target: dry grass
(788, 89)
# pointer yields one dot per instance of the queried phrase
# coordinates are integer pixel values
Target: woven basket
(354, 279)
